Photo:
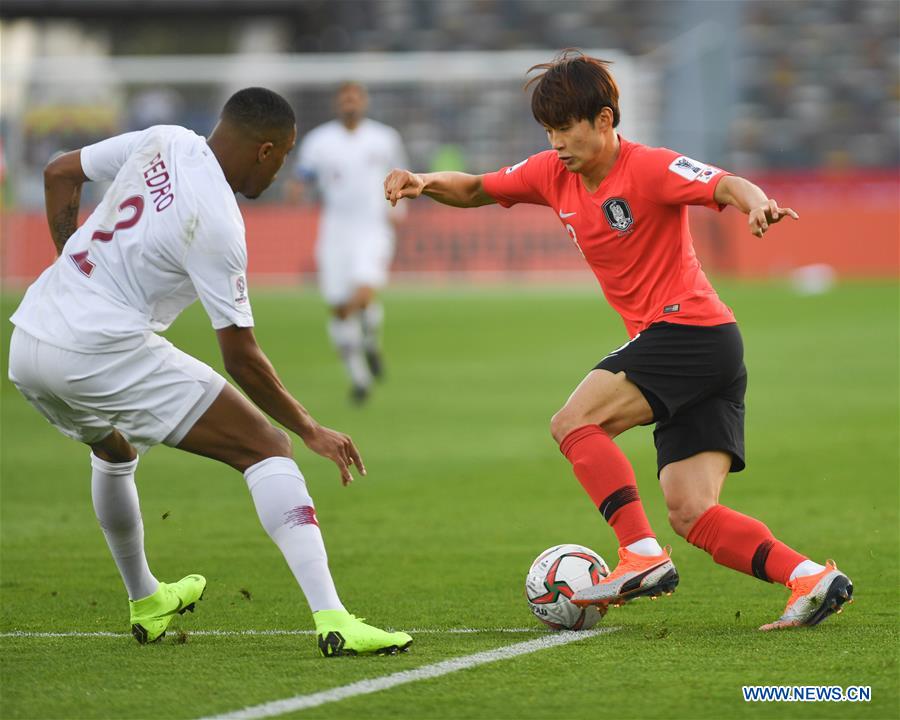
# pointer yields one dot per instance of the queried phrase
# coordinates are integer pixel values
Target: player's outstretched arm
(63, 178)
(752, 201)
(253, 372)
(450, 188)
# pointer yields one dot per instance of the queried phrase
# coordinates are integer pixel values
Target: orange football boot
(634, 576)
(814, 598)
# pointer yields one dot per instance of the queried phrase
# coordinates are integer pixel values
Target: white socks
(372, 316)
(286, 511)
(645, 546)
(347, 337)
(119, 513)
(807, 567)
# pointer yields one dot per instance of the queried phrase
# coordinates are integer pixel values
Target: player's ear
(604, 119)
(264, 151)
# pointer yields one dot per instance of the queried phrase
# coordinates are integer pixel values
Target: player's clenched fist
(402, 184)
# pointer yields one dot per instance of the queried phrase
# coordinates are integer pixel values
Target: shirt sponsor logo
(239, 288)
(618, 214)
(513, 168)
(692, 170)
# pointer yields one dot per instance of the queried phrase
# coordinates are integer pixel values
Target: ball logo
(618, 214)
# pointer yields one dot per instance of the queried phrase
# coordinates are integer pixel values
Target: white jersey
(349, 167)
(167, 231)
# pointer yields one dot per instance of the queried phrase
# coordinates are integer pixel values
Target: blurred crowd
(819, 85)
(811, 84)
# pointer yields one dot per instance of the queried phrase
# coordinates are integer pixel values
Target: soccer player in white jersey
(346, 159)
(85, 352)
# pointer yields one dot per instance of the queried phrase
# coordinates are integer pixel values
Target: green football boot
(340, 633)
(150, 616)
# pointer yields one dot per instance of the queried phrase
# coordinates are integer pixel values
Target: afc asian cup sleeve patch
(690, 169)
(239, 290)
(513, 168)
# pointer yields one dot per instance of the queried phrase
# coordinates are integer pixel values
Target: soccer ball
(556, 575)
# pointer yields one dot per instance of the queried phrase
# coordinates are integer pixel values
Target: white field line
(240, 633)
(373, 685)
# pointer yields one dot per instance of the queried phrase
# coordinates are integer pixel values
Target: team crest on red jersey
(618, 214)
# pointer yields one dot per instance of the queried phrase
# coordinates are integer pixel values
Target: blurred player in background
(86, 355)
(625, 207)
(346, 159)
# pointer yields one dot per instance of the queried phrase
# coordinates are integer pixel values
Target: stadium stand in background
(802, 94)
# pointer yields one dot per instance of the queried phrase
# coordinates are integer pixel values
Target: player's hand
(402, 184)
(338, 448)
(768, 214)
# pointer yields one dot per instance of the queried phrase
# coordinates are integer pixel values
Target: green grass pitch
(465, 488)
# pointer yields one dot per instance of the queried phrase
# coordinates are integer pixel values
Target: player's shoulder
(649, 159)
(640, 158)
(635, 151)
(178, 142)
(171, 133)
(322, 132)
(541, 161)
(547, 167)
(375, 127)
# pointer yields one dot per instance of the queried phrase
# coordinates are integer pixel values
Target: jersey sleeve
(524, 182)
(102, 160)
(305, 167)
(668, 178)
(216, 262)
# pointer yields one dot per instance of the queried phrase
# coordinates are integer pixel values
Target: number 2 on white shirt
(136, 203)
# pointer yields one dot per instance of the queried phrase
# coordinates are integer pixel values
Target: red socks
(607, 476)
(733, 539)
(744, 544)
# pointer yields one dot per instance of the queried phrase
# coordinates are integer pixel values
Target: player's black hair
(260, 111)
(575, 87)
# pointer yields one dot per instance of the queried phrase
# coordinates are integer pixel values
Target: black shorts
(694, 379)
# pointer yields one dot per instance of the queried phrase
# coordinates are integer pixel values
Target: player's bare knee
(286, 446)
(262, 444)
(114, 449)
(684, 513)
(561, 424)
(275, 443)
(565, 421)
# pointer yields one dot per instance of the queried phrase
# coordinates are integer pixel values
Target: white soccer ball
(556, 575)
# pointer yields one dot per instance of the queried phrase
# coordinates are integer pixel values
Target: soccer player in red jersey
(625, 207)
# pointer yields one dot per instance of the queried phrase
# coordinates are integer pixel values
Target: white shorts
(347, 263)
(152, 394)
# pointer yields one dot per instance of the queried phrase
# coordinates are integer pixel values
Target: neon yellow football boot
(340, 633)
(150, 616)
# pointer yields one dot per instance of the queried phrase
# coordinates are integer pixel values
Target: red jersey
(633, 231)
